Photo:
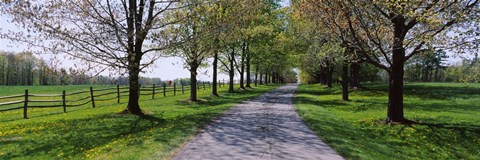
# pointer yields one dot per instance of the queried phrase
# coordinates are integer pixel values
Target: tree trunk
(193, 81)
(214, 80)
(261, 78)
(266, 77)
(270, 77)
(242, 73)
(395, 93)
(430, 78)
(355, 75)
(329, 77)
(320, 76)
(425, 74)
(231, 71)
(256, 75)
(242, 65)
(274, 77)
(277, 77)
(134, 93)
(345, 81)
(249, 81)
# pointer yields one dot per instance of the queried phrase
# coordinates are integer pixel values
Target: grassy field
(36, 112)
(101, 133)
(448, 117)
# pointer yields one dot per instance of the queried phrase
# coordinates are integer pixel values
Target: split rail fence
(75, 99)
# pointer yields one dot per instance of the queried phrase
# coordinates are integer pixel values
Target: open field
(57, 92)
(101, 133)
(448, 116)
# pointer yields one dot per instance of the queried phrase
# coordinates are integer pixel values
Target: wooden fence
(65, 100)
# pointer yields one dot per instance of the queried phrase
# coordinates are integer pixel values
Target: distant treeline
(428, 67)
(433, 68)
(26, 69)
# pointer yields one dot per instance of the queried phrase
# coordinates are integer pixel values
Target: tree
(240, 63)
(329, 28)
(425, 66)
(215, 19)
(232, 21)
(113, 34)
(17, 68)
(228, 64)
(3, 64)
(412, 26)
(193, 31)
(388, 33)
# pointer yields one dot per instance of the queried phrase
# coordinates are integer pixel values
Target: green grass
(36, 112)
(101, 133)
(448, 116)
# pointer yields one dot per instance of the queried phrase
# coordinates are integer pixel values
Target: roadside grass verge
(101, 133)
(448, 116)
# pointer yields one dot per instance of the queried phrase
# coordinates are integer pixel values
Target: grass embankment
(448, 116)
(101, 133)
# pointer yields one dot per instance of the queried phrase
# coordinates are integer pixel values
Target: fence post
(174, 89)
(91, 97)
(153, 91)
(164, 87)
(25, 104)
(203, 83)
(183, 91)
(118, 93)
(63, 102)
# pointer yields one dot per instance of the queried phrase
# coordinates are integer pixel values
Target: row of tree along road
(385, 34)
(251, 36)
(129, 36)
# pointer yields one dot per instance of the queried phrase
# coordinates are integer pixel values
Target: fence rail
(14, 96)
(65, 100)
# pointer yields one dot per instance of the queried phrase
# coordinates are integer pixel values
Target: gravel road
(266, 127)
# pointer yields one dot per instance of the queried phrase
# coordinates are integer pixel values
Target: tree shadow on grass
(319, 103)
(317, 100)
(441, 92)
(443, 107)
(74, 137)
(460, 128)
(154, 122)
(318, 91)
(443, 134)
